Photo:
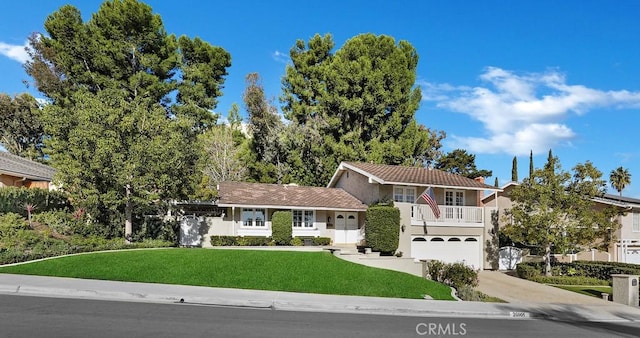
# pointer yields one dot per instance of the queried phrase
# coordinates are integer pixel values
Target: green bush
(224, 240)
(569, 280)
(14, 199)
(297, 241)
(528, 270)
(10, 223)
(253, 241)
(456, 275)
(281, 227)
(321, 241)
(382, 232)
(60, 221)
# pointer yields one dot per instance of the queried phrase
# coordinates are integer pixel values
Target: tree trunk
(128, 227)
(547, 260)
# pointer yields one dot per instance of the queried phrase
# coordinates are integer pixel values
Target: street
(25, 316)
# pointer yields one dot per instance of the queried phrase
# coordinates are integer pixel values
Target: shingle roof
(276, 195)
(395, 174)
(21, 167)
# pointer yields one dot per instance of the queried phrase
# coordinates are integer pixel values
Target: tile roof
(395, 174)
(277, 195)
(21, 167)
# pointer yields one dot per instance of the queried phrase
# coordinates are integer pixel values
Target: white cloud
(280, 56)
(522, 112)
(15, 52)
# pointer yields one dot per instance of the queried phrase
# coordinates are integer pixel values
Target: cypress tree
(514, 170)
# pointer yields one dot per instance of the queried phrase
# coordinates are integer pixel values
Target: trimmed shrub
(224, 240)
(281, 227)
(297, 241)
(528, 270)
(382, 232)
(569, 280)
(14, 199)
(253, 241)
(321, 241)
(456, 275)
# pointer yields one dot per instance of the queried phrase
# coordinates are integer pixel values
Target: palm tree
(619, 179)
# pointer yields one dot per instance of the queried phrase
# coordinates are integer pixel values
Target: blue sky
(501, 78)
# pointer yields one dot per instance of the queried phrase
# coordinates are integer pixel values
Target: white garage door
(449, 249)
(633, 255)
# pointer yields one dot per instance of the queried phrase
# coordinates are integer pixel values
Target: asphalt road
(25, 316)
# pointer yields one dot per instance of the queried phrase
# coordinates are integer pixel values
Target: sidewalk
(288, 301)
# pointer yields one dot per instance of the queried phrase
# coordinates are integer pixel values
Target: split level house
(16, 171)
(626, 245)
(453, 228)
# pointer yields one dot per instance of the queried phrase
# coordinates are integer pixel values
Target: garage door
(449, 249)
(633, 255)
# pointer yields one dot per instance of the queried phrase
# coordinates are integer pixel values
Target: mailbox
(625, 289)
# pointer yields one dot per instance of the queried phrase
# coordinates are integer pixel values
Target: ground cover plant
(312, 272)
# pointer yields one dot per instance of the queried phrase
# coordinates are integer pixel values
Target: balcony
(449, 216)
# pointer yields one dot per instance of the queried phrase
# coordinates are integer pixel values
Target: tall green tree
(620, 178)
(514, 169)
(531, 164)
(21, 128)
(268, 160)
(460, 162)
(362, 99)
(555, 210)
(128, 101)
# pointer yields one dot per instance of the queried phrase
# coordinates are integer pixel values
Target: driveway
(516, 290)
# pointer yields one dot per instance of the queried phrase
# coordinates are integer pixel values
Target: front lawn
(595, 291)
(312, 272)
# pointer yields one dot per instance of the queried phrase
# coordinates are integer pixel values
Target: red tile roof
(395, 174)
(277, 195)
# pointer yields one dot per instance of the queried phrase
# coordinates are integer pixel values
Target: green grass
(595, 291)
(312, 272)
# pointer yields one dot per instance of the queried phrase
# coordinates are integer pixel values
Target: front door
(346, 228)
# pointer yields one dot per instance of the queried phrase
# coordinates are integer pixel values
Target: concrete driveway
(516, 290)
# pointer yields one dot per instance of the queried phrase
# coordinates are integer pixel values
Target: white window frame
(635, 225)
(301, 220)
(253, 223)
(401, 194)
(454, 198)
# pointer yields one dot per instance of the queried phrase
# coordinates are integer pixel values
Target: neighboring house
(463, 227)
(16, 171)
(338, 211)
(625, 248)
(246, 209)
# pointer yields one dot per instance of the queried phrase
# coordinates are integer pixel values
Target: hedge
(281, 229)
(382, 232)
(14, 199)
(262, 241)
(589, 269)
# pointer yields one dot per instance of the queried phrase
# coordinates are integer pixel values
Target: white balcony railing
(448, 214)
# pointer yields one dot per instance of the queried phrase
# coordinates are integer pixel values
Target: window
(404, 194)
(454, 197)
(636, 222)
(303, 218)
(253, 217)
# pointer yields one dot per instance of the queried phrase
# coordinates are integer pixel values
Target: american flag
(429, 197)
